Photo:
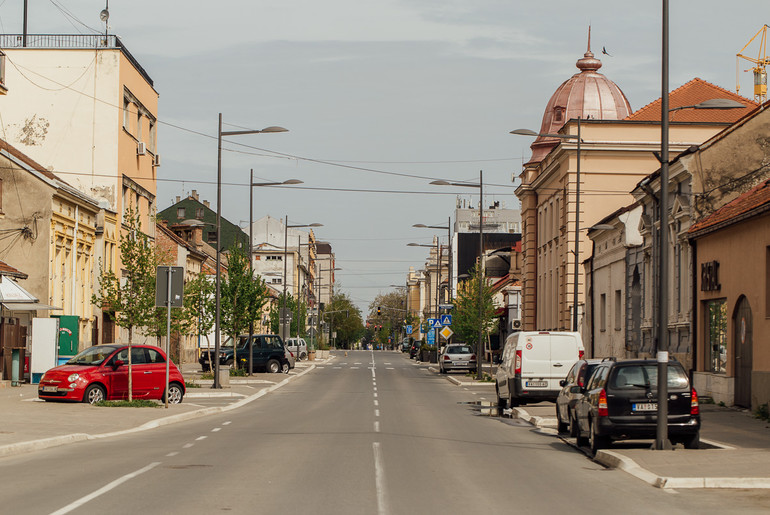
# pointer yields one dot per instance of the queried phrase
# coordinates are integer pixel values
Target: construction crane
(760, 74)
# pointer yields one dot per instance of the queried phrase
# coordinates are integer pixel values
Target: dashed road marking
(376, 426)
(187, 445)
(227, 423)
(376, 413)
(172, 454)
(201, 438)
(216, 429)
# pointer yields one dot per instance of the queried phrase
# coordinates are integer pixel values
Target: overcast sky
(389, 93)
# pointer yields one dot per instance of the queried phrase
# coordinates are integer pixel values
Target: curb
(45, 443)
(538, 422)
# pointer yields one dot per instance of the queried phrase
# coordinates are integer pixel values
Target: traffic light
(379, 310)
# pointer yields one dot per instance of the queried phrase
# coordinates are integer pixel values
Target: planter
(433, 356)
(425, 356)
(311, 355)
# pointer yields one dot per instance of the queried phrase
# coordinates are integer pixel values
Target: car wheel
(302, 356)
(285, 368)
(229, 363)
(94, 393)
(582, 441)
(573, 427)
(273, 366)
(501, 402)
(561, 426)
(692, 441)
(595, 441)
(175, 394)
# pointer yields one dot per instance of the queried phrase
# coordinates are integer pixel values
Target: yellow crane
(760, 74)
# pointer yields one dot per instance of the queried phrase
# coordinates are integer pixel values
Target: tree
(345, 319)
(465, 321)
(132, 295)
(242, 296)
(393, 316)
(298, 318)
(199, 311)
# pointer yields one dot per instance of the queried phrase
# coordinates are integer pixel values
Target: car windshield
(93, 355)
(458, 349)
(646, 376)
(228, 344)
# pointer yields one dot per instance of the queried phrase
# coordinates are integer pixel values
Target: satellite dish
(104, 15)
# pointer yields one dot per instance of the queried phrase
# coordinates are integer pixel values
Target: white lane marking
(389, 368)
(103, 490)
(353, 368)
(187, 445)
(337, 368)
(373, 373)
(172, 454)
(379, 480)
(377, 426)
(376, 413)
(388, 363)
(216, 429)
(358, 363)
(375, 395)
(227, 423)
(376, 402)
(201, 438)
(320, 367)
(375, 388)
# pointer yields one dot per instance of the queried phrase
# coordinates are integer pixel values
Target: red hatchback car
(101, 373)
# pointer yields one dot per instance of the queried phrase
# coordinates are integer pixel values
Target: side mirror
(563, 383)
(118, 363)
(575, 389)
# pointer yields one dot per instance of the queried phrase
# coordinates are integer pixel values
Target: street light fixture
(282, 318)
(481, 274)
(220, 134)
(252, 184)
(528, 132)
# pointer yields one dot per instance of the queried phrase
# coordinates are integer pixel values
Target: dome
(587, 94)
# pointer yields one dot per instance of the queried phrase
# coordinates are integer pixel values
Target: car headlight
(73, 377)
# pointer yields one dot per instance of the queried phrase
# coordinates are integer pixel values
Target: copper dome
(587, 94)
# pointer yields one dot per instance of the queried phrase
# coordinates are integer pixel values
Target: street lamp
(252, 184)
(481, 274)
(284, 315)
(438, 285)
(221, 133)
(527, 132)
(320, 295)
(448, 228)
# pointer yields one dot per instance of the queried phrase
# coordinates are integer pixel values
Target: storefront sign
(709, 276)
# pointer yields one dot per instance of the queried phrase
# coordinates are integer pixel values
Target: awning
(28, 306)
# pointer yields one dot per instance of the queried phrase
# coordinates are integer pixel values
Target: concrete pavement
(30, 424)
(735, 449)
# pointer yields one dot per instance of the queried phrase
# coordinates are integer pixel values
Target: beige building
(617, 149)
(85, 109)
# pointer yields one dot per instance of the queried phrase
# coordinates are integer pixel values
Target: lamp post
(448, 228)
(283, 315)
(438, 285)
(252, 184)
(481, 273)
(331, 283)
(527, 132)
(220, 134)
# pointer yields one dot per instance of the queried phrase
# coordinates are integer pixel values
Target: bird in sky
(604, 51)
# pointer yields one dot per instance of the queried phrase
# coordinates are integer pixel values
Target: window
(275, 280)
(274, 258)
(151, 142)
(139, 125)
(618, 309)
(180, 213)
(716, 336)
(126, 118)
(557, 114)
(199, 213)
(211, 237)
(603, 312)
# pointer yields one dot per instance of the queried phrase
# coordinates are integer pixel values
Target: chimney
(197, 236)
(194, 194)
(206, 203)
(178, 199)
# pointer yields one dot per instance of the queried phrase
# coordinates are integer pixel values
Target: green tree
(345, 319)
(131, 296)
(242, 296)
(298, 318)
(199, 311)
(392, 317)
(466, 321)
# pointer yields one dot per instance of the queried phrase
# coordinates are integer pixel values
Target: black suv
(268, 353)
(620, 402)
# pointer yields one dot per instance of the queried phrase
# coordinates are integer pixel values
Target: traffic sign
(432, 322)
(446, 320)
(431, 337)
(446, 333)
(409, 329)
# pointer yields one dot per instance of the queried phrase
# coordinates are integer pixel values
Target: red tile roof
(749, 202)
(6, 269)
(694, 92)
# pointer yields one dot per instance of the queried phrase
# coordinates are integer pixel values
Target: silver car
(457, 357)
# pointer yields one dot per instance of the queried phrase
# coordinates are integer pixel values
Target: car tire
(595, 441)
(229, 363)
(582, 441)
(285, 368)
(94, 393)
(501, 402)
(573, 427)
(273, 366)
(175, 393)
(302, 356)
(691, 441)
(561, 427)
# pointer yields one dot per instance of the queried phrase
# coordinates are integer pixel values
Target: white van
(299, 353)
(532, 365)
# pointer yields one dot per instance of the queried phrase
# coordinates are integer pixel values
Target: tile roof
(4, 145)
(6, 269)
(691, 93)
(745, 205)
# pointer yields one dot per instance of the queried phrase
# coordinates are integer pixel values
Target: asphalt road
(370, 433)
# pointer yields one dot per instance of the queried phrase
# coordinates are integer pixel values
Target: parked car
(457, 357)
(268, 353)
(571, 390)
(532, 365)
(101, 373)
(298, 351)
(414, 350)
(406, 344)
(620, 402)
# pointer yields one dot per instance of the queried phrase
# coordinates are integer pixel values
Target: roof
(751, 203)
(24, 158)
(691, 93)
(6, 269)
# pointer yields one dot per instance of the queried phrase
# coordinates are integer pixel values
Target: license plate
(49, 389)
(460, 362)
(535, 384)
(646, 406)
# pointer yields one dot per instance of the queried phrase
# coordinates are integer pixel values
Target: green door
(69, 327)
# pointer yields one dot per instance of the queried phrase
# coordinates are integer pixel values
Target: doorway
(742, 329)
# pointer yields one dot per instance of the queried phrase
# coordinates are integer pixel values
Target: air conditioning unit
(156, 160)
(141, 149)
(516, 324)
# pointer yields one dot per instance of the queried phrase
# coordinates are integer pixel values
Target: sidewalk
(734, 453)
(30, 424)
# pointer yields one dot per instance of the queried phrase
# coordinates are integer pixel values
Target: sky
(381, 97)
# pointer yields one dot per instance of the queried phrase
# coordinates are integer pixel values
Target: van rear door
(565, 351)
(535, 361)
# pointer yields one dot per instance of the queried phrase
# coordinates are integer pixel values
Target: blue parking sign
(431, 337)
(409, 329)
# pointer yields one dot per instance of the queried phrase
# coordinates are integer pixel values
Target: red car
(101, 373)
